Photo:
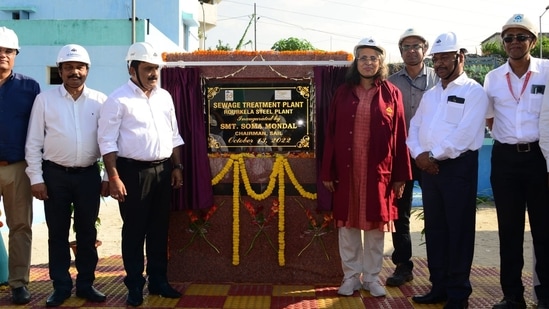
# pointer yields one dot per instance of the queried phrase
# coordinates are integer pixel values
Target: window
(19, 12)
(54, 78)
(20, 15)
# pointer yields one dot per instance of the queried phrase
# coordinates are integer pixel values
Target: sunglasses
(519, 38)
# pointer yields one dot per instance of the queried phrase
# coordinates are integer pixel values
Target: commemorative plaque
(259, 118)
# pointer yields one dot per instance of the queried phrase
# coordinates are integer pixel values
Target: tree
(292, 44)
(493, 48)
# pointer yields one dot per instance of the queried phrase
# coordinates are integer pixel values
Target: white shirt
(138, 127)
(449, 121)
(63, 130)
(514, 122)
(544, 123)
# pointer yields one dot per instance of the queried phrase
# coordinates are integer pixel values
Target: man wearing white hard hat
(520, 159)
(444, 138)
(62, 153)
(17, 93)
(365, 165)
(412, 80)
(140, 143)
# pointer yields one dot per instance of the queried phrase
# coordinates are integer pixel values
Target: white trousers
(361, 252)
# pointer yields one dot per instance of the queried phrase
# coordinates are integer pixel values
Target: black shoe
(164, 290)
(402, 274)
(91, 294)
(543, 304)
(508, 303)
(57, 298)
(135, 297)
(20, 295)
(429, 298)
(456, 305)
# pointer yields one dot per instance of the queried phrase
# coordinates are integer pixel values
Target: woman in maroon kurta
(365, 165)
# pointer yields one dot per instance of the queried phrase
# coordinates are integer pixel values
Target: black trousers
(402, 241)
(449, 203)
(519, 184)
(145, 215)
(82, 188)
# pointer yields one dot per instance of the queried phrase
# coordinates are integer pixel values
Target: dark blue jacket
(16, 99)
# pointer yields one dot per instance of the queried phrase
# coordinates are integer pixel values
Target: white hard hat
(520, 21)
(8, 38)
(369, 42)
(73, 52)
(143, 51)
(446, 42)
(412, 32)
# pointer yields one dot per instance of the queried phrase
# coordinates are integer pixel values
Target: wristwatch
(179, 166)
(431, 157)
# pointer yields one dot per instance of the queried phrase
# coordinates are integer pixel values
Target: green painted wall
(91, 32)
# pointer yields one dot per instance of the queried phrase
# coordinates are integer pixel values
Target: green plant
(477, 72)
(292, 44)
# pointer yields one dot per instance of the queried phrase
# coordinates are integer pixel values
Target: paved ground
(266, 296)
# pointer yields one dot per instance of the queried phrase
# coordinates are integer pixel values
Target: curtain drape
(327, 79)
(184, 84)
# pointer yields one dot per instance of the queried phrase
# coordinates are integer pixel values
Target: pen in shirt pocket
(538, 89)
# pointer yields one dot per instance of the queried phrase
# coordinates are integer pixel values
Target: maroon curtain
(327, 79)
(184, 84)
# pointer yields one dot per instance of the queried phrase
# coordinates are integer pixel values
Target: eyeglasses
(415, 47)
(444, 58)
(519, 38)
(370, 59)
(8, 51)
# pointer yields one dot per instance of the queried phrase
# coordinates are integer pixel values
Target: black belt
(463, 154)
(522, 147)
(143, 163)
(75, 169)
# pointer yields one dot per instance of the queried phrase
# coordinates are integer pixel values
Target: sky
(338, 25)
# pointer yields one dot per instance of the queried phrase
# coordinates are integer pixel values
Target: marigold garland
(281, 231)
(248, 186)
(236, 215)
(296, 184)
(280, 166)
(223, 172)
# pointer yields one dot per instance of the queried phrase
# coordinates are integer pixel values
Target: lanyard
(409, 80)
(524, 84)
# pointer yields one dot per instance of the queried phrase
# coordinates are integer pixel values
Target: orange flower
(316, 230)
(210, 212)
(270, 54)
(261, 221)
(199, 226)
